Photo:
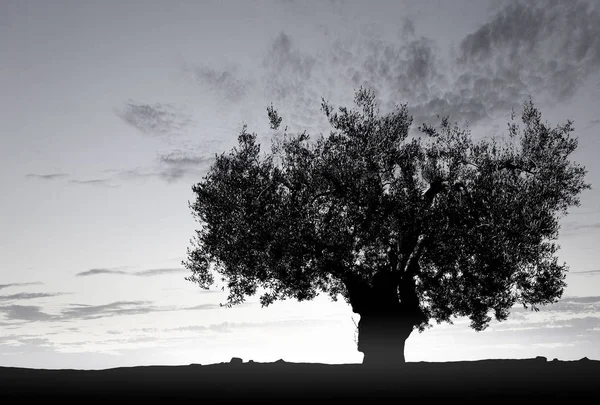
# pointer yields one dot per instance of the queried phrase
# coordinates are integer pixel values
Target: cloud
(227, 327)
(287, 67)
(84, 311)
(573, 228)
(202, 307)
(27, 296)
(546, 47)
(94, 182)
(225, 82)
(158, 272)
(184, 158)
(177, 164)
(50, 176)
(568, 305)
(140, 273)
(173, 166)
(95, 272)
(24, 313)
(585, 272)
(159, 120)
(19, 284)
(408, 28)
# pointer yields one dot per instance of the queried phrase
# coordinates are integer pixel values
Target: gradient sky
(110, 111)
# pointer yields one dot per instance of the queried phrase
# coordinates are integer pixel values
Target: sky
(111, 110)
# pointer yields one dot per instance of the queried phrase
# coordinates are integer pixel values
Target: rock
(250, 361)
(555, 359)
(280, 361)
(236, 360)
(541, 358)
(584, 359)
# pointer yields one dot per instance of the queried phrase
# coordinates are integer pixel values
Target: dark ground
(520, 381)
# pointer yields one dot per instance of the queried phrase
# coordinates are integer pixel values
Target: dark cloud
(24, 313)
(19, 284)
(159, 120)
(95, 272)
(545, 47)
(225, 82)
(50, 176)
(27, 296)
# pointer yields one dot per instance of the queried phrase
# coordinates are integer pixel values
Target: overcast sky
(110, 111)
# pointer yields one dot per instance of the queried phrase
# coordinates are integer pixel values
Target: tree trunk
(381, 338)
(388, 315)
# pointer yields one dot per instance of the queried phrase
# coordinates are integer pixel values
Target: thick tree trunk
(381, 338)
(387, 318)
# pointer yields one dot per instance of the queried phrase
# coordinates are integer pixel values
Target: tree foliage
(473, 223)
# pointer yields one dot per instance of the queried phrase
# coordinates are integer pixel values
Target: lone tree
(408, 230)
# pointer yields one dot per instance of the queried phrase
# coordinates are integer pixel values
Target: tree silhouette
(407, 229)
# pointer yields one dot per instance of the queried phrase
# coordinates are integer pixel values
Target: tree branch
(433, 190)
(414, 257)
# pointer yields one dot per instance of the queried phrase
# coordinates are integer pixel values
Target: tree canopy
(473, 223)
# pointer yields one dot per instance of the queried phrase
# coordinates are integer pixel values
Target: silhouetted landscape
(253, 382)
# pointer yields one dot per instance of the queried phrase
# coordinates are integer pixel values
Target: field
(520, 381)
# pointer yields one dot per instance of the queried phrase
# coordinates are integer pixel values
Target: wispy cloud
(27, 296)
(170, 169)
(227, 327)
(158, 272)
(24, 313)
(95, 272)
(569, 305)
(202, 307)
(20, 284)
(159, 119)
(79, 311)
(288, 69)
(94, 182)
(224, 81)
(573, 228)
(185, 158)
(50, 176)
(586, 272)
(177, 164)
(84, 311)
(140, 273)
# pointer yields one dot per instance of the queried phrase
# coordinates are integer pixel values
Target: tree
(407, 229)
